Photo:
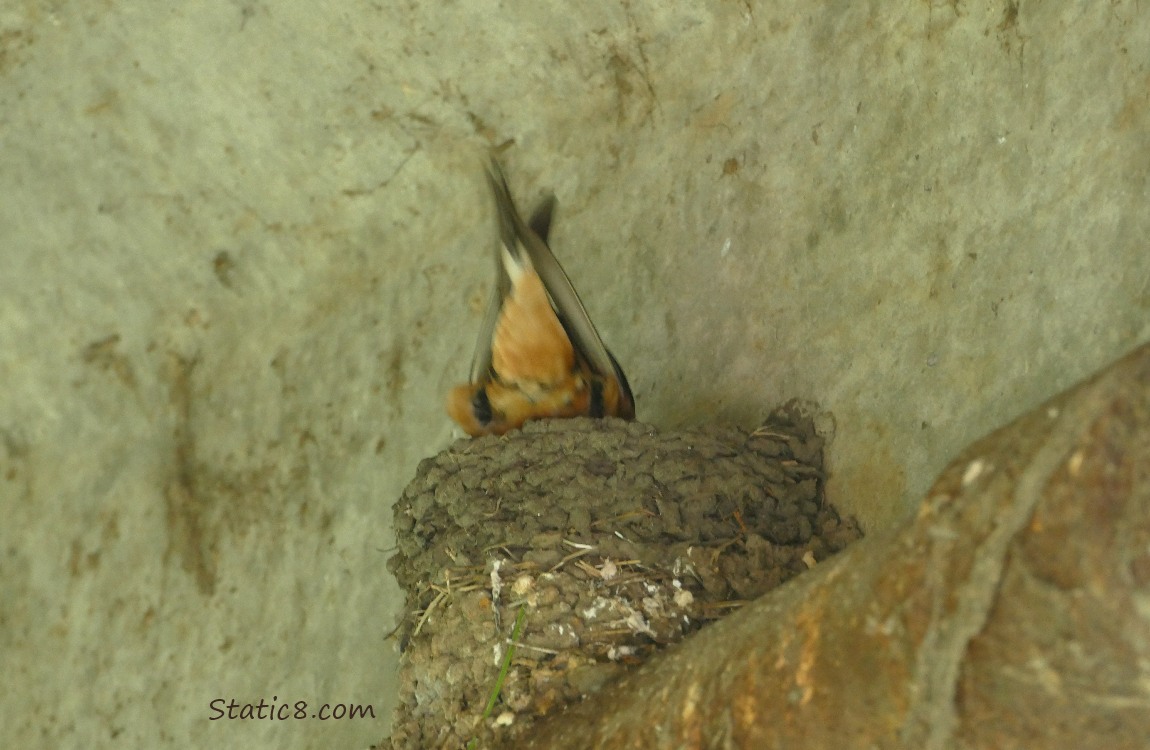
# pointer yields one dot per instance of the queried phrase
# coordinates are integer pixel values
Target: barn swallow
(538, 356)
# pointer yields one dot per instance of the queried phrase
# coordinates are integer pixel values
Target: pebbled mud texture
(615, 540)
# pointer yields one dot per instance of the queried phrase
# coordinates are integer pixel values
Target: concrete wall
(245, 252)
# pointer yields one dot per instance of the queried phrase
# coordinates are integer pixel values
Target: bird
(538, 355)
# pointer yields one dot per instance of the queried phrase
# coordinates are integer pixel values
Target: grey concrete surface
(245, 254)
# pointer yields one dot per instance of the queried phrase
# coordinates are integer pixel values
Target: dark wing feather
(519, 238)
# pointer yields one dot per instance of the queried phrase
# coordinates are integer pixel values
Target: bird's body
(539, 356)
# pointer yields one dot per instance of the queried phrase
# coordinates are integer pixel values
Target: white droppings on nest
(615, 653)
(608, 570)
(505, 719)
(684, 599)
(524, 589)
(681, 566)
(638, 624)
(496, 583)
(523, 585)
(597, 607)
(652, 606)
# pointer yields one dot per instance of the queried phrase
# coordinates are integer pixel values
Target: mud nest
(605, 541)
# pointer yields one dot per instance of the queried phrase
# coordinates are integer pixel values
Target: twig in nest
(569, 558)
(718, 549)
(427, 612)
(540, 649)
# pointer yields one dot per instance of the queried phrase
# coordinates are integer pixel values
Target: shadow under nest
(609, 540)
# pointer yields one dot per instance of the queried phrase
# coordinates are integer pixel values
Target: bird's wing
(519, 238)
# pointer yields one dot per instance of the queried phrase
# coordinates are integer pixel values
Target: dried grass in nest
(605, 541)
